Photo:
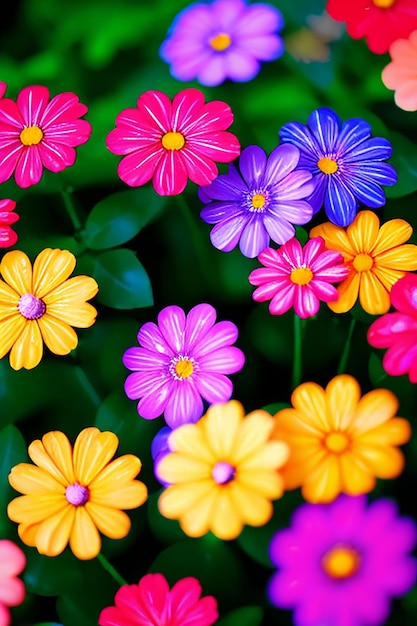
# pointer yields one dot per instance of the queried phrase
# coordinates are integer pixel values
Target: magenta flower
(3, 88)
(12, 589)
(224, 39)
(398, 331)
(298, 277)
(173, 142)
(8, 237)
(152, 602)
(180, 361)
(37, 133)
(341, 563)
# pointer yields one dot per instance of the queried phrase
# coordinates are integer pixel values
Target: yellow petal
(251, 435)
(50, 269)
(250, 506)
(58, 336)
(363, 231)
(388, 277)
(27, 350)
(347, 293)
(355, 476)
(92, 451)
(220, 426)
(393, 233)
(323, 485)
(27, 533)
(335, 238)
(373, 296)
(271, 456)
(53, 534)
(10, 331)
(54, 455)
(16, 270)
(267, 484)
(400, 258)
(35, 508)
(382, 462)
(292, 422)
(226, 521)
(395, 432)
(85, 541)
(176, 500)
(196, 522)
(343, 394)
(374, 408)
(309, 400)
(114, 485)
(178, 468)
(9, 299)
(109, 521)
(29, 479)
(189, 439)
(67, 302)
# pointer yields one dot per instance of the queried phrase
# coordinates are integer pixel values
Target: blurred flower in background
(401, 73)
(12, 589)
(8, 237)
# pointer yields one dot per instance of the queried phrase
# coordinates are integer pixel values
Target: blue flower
(345, 161)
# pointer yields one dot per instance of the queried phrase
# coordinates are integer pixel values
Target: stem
(110, 569)
(345, 354)
(70, 209)
(297, 365)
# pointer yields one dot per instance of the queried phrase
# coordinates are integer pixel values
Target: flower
(380, 21)
(298, 277)
(222, 472)
(398, 331)
(72, 494)
(224, 39)
(341, 563)
(41, 305)
(340, 441)
(3, 88)
(171, 142)
(180, 361)
(376, 257)
(345, 162)
(12, 589)
(401, 73)
(7, 236)
(152, 603)
(37, 133)
(263, 201)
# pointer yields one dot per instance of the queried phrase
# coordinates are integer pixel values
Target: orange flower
(401, 74)
(340, 441)
(375, 256)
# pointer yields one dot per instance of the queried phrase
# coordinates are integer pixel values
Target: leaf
(275, 407)
(48, 576)
(404, 159)
(245, 616)
(12, 451)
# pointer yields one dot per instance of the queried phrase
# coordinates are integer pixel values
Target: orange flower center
(30, 307)
(341, 562)
(173, 140)
(337, 442)
(258, 201)
(223, 473)
(31, 135)
(181, 367)
(76, 494)
(301, 275)
(363, 262)
(384, 4)
(327, 166)
(220, 42)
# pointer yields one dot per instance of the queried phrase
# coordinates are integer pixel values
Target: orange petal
(347, 293)
(27, 350)
(383, 462)
(50, 269)
(309, 400)
(121, 470)
(35, 508)
(10, 331)
(85, 541)
(400, 258)
(363, 231)
(355, 475)
(324, 484)
(109, 521)
(373, 296)
(196, 522)
(178, 468)
(16, 270)
(27, 533)
(176, 500)
(68, 301)
(388, 277)
(289, 422)
(269, 485)
(29, 479)
(226, 521)
(54, 455)
(303, 463)
(271, 456)
(391, 234)
(394, 432)
(53, 534)
(343, 393)
(374, 408)
(92, 451)
(58, 336)
(335, 238)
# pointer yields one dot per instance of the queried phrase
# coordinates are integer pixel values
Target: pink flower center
(363, 262)
(327, 166)
(341, 562)
(173, 140)
(77, 494)
(223, 473)
(182, 367)
(384, 4)
(301, 275)
(220, 42)
(30, 307)
(31, 136)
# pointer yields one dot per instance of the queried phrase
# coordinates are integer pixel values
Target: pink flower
(401, 74)
(398, 331)
(12, 589)
(298, 277)
(151, 603)
(3, 87)
(36, 132)
(7, 236)
(173, 142)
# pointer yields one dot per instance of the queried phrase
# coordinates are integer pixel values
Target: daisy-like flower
(380, 21)
(152, 603)
(223, 39)
(8, 237)
(222, 472)
(42, 305)
(401, 74)
(181, 360)
(73, 494)
(376, 257)
(339, 441)
(37, 132)
(398, 331)
(12, 589)
(298, 277)
(342, 563)
(259, 203)
(346, 163)
(171, 142)
(3, 88)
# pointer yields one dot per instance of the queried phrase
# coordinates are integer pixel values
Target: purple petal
(184, 404)
(257, 20)
(200, 320)
(226, 360)
(294, 211)
(264, 47)
(252, 163)
(222, 334)
(216, 212)
(214, 387)
(241, 65)
(295, 186)
(153, 405)
(340, 204)
(352, 134)
(254, 238)
(225, 235)
(325, 124)
(171, 322)
(142, 359)
(278, 229)
(316, 199)
(141, 384)
(213, 72)
(367, 192)
(374, 149)
(300, 136)
(382, 173)
(150, 337)
(282, 160)
(228, 186)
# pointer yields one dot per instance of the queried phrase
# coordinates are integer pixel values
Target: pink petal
(71, 133)
(137, 168)
(29, 167)
(62, 109)
(214, 387)
(10, 117)
(200, 169)
(12, 559)
(282, 301)
(56, 157)
(187, 107)
(324, 291)
(227, 13)
(269, 290)
(8, 161)
(306, 303)
(12, 591)
(215, 116)
(240, 64)
(226, 360)
(171, 321)
(259, 20)
(263, 47)
(32, 102)
(170, 177)
(220, 146)
(213, 72)
(154, 109)
(124, 140)
(404, 294)
(389, 328)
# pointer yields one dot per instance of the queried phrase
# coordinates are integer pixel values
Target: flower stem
(345, 354)
(110, 569)
(297, 364)
(70, 209)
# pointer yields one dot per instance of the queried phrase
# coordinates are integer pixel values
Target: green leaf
(12, 451)
(404, 159)
(245, 616)
(275, 407)
(122, 279)
(50, 576)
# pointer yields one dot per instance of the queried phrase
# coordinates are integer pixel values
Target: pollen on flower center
(301, 275)
(337, 442)
(31, 135)
(327, 165)
(362, 262)
(258, 201)
(341, 562)
(220, 42)
(173, 140)
(181, 367)
(76, 494)
(223, 473)
(30, 307)
(384, 4)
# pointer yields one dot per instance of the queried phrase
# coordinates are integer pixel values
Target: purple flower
(341, 563)
(345, 162)
(159, 448)
(224, 39)
(263, 201)
(181, 361)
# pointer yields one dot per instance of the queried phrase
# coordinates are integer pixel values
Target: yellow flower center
(31, 135)
(181, 367)
(173, 140)
(301, 275)
(220, 42)
(363, 262)
(327, 166)
(223, 473)
(341, 562)
(384, 4)
(258, 201)
(337, 442)
(30, 307)
(76, 494)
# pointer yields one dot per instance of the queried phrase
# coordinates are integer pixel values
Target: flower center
(363, 262)
(181, 367)
(220, 42)
(337, 442)
(384, 4)
(223, 473)
(258, 201)
(341, 562)
(173, 140)
(301, 275)
(31, 135)
(30, 307)
(77, 494)
(327, 166)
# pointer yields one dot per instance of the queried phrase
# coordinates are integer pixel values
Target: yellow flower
(222, 472)
(340, 441)
(375, 256)
(42, 305)
(70, 495)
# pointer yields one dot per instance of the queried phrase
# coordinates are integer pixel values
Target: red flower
(7, 236)
(380, 21)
